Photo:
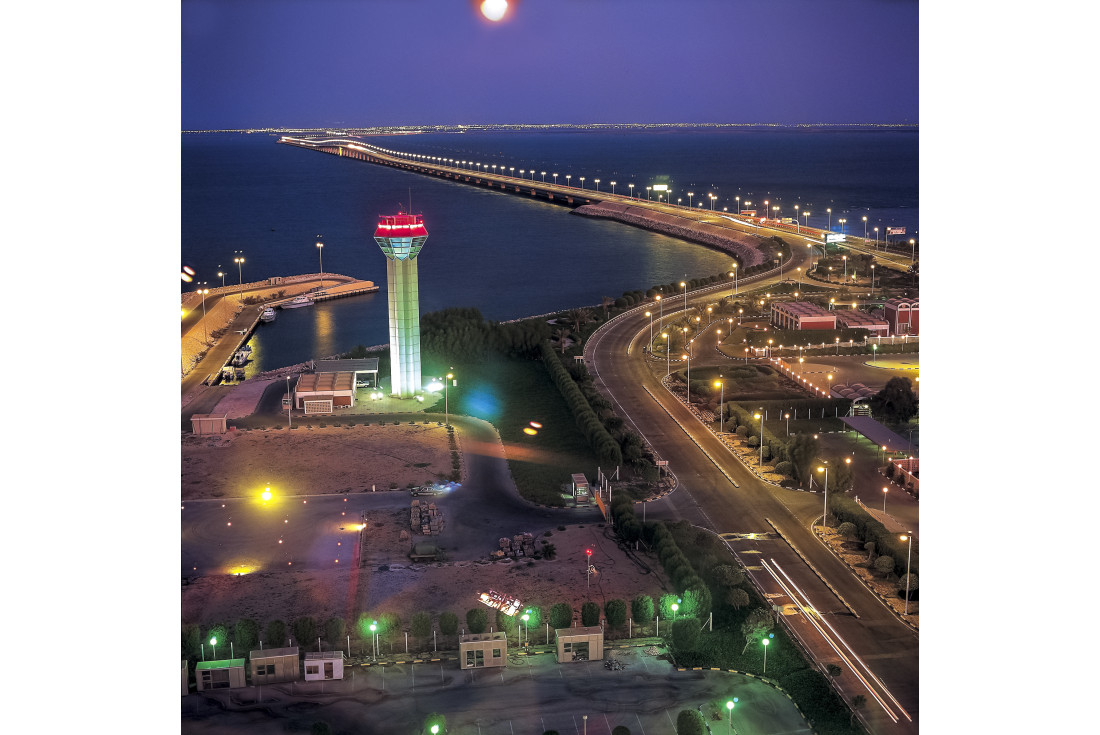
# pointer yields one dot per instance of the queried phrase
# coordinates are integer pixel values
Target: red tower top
(401, 225)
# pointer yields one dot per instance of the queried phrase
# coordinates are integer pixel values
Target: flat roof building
(324, 665)
(322, 392)
(855, 319)
(801, 315)
(274, 665)
(223, 674)
(208, 423)
(480, 650)
(579, 644)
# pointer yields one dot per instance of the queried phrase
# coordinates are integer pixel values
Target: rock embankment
(748, 248)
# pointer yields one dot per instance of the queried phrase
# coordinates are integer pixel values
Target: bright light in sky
(494, 9)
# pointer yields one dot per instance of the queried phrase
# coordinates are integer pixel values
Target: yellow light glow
(266, 494)
(529, 431)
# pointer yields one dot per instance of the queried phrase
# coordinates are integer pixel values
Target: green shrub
(784, 468)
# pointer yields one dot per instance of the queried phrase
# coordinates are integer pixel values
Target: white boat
(268, 315)
(298, 301)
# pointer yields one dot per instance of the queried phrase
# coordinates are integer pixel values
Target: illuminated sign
(506, 604)
(895, 230)
(660, 187)
(833, 237)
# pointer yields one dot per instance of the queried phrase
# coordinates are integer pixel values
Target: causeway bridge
(741, 236)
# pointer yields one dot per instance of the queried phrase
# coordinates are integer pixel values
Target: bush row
(602, 443)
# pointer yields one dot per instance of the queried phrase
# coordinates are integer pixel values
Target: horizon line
(506, 126)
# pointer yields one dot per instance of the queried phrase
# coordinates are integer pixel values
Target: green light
(435, 729)
(213, 641)
(675, 607)
(765, 641)
(729, 706)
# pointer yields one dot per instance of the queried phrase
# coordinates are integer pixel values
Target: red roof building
(903, 315)
(801, 315)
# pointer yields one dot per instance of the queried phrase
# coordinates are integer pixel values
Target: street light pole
(765, 641)
(321, 262)
(908, 568)
(446, 400)
(289, 402)
(204, 291)
(721, 400)
(884, 491)
(825, 513)
(668, 354)
(239, 261)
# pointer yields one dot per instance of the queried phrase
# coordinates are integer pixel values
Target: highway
(719, 493)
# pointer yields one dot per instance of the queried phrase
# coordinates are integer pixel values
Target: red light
(588, 551)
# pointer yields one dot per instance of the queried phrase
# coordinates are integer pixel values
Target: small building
(274, 665)
(855, 319)
(208, 423)
(903, 316)
(579, 644)
(481, 650)
(365, 370)
(322, 392)
(801, 315)
(224, 674)
(582, 492)
(323, 666)
(186, 680)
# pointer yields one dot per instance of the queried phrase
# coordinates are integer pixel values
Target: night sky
(314, 63)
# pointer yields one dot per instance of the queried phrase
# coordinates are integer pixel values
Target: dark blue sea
(508, 256)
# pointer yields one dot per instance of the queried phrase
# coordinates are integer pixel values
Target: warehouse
(322, 392)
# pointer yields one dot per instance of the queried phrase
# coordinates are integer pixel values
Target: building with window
(801, 315)
(903, 315)
(324, 665)
(579, 644)
(322, 392)
(274, 665)
(223, 674)
(480, 650)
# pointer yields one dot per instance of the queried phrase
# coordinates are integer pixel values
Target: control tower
(401, 236)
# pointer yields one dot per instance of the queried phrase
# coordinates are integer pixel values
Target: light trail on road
(813, 617)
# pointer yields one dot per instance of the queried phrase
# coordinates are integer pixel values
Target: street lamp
(597, 183)
(555, 179)
(204, 291)
(913, 247)
(729, 706)
(446, 399)
(829, 211)
(874, 353)
(690, 195)
(766, 641)
(612, 188)
(687, 357)
(650, 315)
(845, 259)
(721, 400)
(668, 355)
(239, 261)
(222, 276)
(760, 462)
(734, 274)
(544, 179)
(214, 642)
(865, 228)
(582, 182)
(738, 200)
(837, 345)
(884, 491)
(872, 277)
(908, 568)
(588, 566)
(631, 189)
(825, 513)
(684, 285)
(787, 416)
(289, 403)
(320, 262)
(374, 637)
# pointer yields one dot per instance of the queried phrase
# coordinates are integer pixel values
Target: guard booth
(324, 665)
(480, 650)
(582, 492)
(578, 644)
(208, 423)
(224, 674)
(274, 665)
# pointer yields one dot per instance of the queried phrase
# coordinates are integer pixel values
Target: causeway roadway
(717, 492)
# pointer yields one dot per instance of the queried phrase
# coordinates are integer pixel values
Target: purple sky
(315, 63)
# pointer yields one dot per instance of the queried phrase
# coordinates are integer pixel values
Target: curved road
(717, 492)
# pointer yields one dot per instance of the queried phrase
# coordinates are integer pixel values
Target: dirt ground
(353, 459)
(406, 588)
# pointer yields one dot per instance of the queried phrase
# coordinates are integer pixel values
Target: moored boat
(268, 315)
(298, 301)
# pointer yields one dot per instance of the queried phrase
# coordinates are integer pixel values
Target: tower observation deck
(401, 236)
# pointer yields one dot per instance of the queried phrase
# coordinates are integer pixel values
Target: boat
(268, 315)
(241, 356)
(298, 301)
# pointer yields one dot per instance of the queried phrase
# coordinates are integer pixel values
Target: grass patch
(511, 393)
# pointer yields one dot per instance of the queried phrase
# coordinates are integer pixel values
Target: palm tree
(561, 335)
(607, 301)
(579, 317)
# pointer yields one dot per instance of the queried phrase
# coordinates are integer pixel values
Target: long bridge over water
(741, 236)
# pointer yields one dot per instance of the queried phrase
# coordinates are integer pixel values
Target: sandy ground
(313, 460)
(406, 588)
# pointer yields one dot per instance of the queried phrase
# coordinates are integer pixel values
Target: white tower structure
(401, 236)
